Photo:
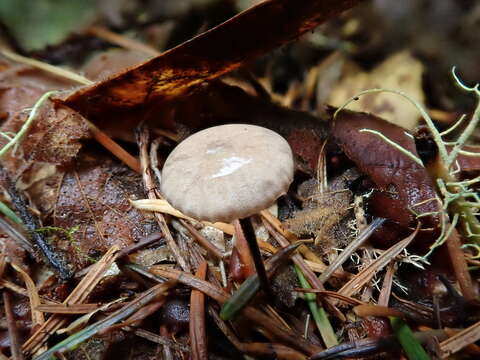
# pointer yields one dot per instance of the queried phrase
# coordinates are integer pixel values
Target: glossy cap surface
(227, 172)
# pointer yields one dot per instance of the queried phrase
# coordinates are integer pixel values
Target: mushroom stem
(247, 229)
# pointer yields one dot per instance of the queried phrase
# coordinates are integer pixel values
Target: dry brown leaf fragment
(401, 71)
(93, 198)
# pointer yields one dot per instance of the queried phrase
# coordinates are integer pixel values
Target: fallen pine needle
(78, 295)
(37, 317)
(119, 315)
(67, 309)
(366, 274)
(198, 336)
(365, 310)
(460, 340)
(162, 206)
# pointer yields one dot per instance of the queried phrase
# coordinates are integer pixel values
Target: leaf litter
(358, 243)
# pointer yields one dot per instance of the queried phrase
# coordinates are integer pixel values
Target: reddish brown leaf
(405, 185)
(209, 55)
(94, 196)
(198, 336)
(54, 134)
(469, 164)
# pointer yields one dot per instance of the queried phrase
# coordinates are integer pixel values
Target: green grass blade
(9, 213)
(318, 313)
(413, 349)
(240, 298)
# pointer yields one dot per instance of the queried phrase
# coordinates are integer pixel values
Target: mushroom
(228, 173)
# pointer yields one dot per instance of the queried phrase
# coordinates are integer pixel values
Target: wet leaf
(93, 196)
(406, 187)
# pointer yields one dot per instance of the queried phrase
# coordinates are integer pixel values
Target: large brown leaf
(406, 186)
(209, 55)
(93, 196)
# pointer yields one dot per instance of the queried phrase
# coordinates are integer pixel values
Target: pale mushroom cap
(227, 172)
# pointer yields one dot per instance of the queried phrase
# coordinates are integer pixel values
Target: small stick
(12, 327)
(350, 249)
(198, 336)
(249, 233)
(201, 240)
(459, 264)
(114, 148)
(384, 297)
(142, 139)
(32, 223)
(114, 38)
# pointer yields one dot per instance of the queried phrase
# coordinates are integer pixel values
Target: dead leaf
(54, 136)
(400, 71)
(209, 55)
(405, 186)
(94, 195)
(55, 133)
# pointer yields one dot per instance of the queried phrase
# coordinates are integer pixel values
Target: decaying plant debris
(372, 253)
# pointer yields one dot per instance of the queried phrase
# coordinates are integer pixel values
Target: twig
(12, 327)
(117, 316)
(459, 264)
(142, 139)
(78, 295)
(32, 223)
(46, 67)
(119, 152)
(198, 336)
(366, 274)
(350, 249)
(122, 41)
(460, 340)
